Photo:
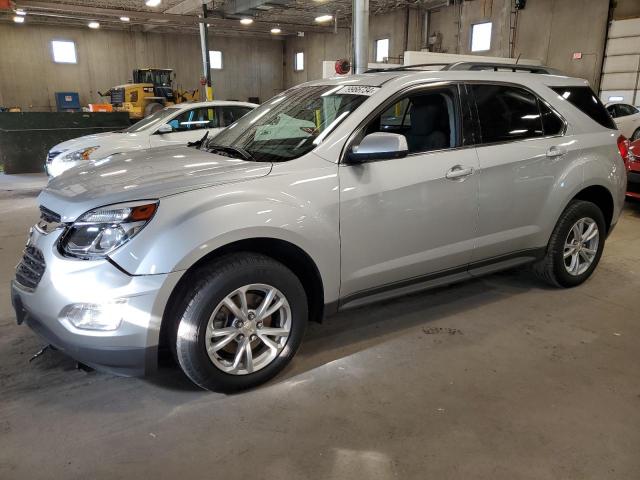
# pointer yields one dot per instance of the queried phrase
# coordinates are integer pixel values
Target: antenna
(518, 58)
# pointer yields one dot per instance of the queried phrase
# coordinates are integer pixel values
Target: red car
(633, 170)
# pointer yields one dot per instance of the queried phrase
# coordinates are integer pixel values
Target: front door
(408, 220)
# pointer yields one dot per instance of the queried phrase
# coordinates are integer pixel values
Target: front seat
(423, 134)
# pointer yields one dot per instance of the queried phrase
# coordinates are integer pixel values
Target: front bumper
(131, 349)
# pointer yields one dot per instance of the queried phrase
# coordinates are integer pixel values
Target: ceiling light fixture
(246, 21)
(276, 30)
(18, 19)
(153, 3)
(324, 18)
(20, 11)
(94, 25)
(124, 19)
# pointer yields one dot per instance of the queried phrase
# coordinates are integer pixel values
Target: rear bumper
(633, 184)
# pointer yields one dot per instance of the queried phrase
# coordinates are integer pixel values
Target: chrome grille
(31, 268)
(51, 155)
(49, 215)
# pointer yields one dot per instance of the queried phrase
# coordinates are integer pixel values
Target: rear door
(521, 153)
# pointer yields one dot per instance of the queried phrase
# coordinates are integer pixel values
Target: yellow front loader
(150, 91)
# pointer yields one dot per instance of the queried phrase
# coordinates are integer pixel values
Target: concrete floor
(499, 378)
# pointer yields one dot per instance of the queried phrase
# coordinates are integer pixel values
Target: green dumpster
(25, 138)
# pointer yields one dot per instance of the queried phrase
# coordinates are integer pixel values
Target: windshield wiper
(229, 149)
(198, 143)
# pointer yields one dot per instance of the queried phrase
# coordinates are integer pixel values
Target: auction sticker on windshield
(357, 90)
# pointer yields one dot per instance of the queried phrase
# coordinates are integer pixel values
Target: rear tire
(224, 307)
(575, 246)
(636, 135)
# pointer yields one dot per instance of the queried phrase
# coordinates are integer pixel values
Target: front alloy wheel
(248, 329)
(240, 321)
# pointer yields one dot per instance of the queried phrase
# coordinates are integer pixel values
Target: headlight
(99, 232)
(78, 155)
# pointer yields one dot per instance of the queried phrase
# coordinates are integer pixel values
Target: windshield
(289, 125)
(154, 120)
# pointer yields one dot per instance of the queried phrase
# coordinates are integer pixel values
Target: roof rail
(407, 67)
(496, 67)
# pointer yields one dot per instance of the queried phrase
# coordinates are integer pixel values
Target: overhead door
(621, 69)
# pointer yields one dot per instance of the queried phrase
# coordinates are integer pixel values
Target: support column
(360, 36)
(204, 45)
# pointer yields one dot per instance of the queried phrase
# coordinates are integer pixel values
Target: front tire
(575, 247)
(240, 323)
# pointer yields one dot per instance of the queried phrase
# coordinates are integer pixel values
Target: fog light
(92, 316)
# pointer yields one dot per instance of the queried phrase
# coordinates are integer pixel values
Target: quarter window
(507, 113)
(586, 101)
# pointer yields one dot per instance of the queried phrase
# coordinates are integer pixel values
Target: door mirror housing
(166, 128)
(378, 146)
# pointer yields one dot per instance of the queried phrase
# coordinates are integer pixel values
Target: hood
(108, 142)
(141, 175)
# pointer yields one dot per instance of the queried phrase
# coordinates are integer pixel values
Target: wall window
(481, 37)
(382, 50)
(298, 62)
(215, 59)
(64, 51)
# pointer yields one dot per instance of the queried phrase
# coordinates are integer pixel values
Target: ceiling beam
(165, 19)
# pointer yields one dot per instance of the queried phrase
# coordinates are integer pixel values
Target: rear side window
(507, 113)
(586, 101)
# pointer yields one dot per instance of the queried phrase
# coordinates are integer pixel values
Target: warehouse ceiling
(291, 16)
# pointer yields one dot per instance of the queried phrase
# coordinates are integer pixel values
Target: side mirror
(379, 146)
(166, 128)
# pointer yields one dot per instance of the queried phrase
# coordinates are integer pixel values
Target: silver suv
(331, 195)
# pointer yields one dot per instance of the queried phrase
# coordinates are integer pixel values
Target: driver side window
(427, 119)
(195, 119)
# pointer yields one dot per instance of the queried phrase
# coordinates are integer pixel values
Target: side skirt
(437, 279)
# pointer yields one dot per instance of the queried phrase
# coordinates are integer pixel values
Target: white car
(627, 118)
(175, 125)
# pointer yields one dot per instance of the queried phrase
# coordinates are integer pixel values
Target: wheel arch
(283, 251)
(600, 196)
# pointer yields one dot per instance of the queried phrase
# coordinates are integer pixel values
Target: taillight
(623, 148)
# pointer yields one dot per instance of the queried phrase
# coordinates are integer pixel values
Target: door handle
(458, 173)
(556, 152)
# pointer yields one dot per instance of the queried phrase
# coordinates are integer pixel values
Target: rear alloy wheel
(240, 322)
(575, 246)
(581, 246)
